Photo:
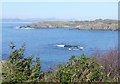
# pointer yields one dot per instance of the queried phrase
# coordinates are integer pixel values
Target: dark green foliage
(78, 69)
(20, 69)
(35, 74)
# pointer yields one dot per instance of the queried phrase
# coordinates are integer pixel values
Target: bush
(20, 69)
(77, 69)
(109, 60)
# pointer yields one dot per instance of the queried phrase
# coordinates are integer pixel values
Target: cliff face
(98, 24)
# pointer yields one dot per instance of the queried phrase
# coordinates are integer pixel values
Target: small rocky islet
(98, 24)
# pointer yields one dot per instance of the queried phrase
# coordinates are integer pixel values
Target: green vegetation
(97, 24)
(77, 69)
(18, 69)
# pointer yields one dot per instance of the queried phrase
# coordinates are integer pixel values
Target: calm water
(40, 42)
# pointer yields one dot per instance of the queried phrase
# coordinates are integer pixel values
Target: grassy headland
(97, 24)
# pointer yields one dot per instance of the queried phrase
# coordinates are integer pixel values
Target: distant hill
(31, 19)
(16, 20)
(98, 24)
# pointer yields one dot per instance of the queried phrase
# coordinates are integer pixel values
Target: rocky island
(98, 24)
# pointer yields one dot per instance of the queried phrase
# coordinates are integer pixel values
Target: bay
(42, 42)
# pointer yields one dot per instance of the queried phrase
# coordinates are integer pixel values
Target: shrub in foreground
(77, 69)
(20, 69)
(110, 61)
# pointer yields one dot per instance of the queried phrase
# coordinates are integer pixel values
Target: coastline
(72, 29)
(97, 24)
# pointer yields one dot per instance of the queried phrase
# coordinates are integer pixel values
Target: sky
(61, 10)
(59, 0)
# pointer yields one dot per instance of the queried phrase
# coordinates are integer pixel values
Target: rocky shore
(97, 24)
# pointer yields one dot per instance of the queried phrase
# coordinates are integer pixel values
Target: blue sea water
(41, 42)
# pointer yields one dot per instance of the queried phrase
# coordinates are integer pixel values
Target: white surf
(60, 45)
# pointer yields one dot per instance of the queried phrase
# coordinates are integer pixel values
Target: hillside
(97, 24)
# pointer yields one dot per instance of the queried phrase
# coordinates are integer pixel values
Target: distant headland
(98, 24)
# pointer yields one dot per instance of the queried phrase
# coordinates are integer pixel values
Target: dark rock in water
(71, 46)
(27, 26)
(24, 26)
